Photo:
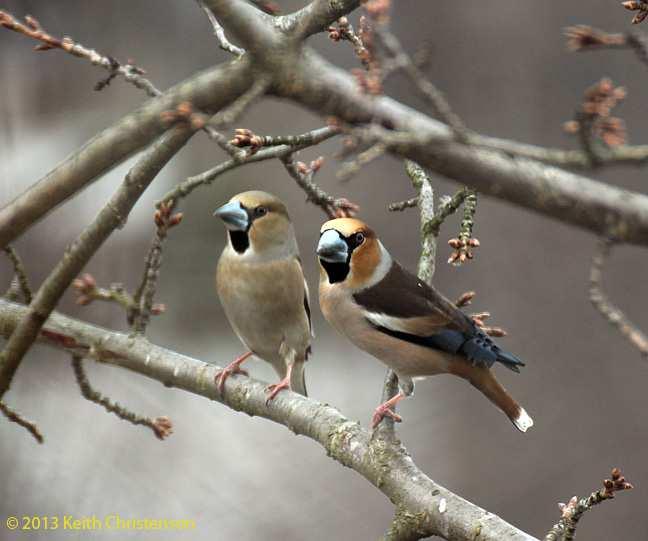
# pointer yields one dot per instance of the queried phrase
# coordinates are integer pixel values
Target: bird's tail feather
(509, 360)
(485, 381)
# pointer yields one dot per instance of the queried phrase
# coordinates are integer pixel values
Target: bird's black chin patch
(240, 241)
(337, 272)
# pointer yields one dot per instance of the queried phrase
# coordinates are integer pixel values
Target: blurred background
(506, 71)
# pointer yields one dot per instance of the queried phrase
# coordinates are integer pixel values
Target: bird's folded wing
(402, 303)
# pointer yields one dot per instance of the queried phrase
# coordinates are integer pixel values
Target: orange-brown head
(350, 253)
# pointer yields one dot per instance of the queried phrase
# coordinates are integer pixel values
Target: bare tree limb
(219, 32)
(20, 274)
(570, 159)
(251, 26)
(317, 16)
(143, 298)
(113, 215)
(229, 114)
(351, 168)
(208, 91)
(403, 205)
(572, 512)
(565, 196)
(303, 176)
(385, 464)
(609, 311)
(161, 426)
(430, 93)
(14, 417)
(296, 142)
(34, 30)
(423, 185)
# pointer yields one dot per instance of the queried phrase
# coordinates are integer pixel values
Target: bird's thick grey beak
(332, 247)
(234, 216)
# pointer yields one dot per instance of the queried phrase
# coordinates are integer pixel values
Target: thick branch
(113, 215)
(573, 199)
(571, 159)
(208, 91)
(385, 464)
(318, 16)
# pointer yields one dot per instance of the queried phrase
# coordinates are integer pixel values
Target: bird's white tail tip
(523, 422)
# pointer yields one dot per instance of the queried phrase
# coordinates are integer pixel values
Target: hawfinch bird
(391, 314)
(261, 286)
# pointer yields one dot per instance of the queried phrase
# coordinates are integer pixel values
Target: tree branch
(20, 274)
(572, 512)
(317, 16)
(14, 417)
(208, 91)
(384, 464)
(571, 159)
(428, 91)
(219, 32)
(297, 142)
(250, 25)
(161, 426)
(113, 215)
(34, 30)
(571, 198)
(613, 315)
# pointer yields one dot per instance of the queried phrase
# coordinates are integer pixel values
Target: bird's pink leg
(384, 410)
(232, 368)
(276, 387)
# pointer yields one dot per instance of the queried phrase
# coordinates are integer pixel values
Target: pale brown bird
(391, 314)
(261, 286)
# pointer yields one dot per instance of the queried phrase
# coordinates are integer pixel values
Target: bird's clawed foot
(385, 410)
(233, 368)
(276, 388)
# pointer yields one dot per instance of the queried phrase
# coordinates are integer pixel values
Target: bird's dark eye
(260, 211)
(359, 238)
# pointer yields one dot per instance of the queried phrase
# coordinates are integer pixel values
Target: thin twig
(430, 92)
(299, 142)
(448, 208)
(112, 216)
(143, 298)
(565, 528)
(14, 417)
(32, 28)
(303, 174)
(403, 205)
(465, 243)
(219, 32)
(349, 169)
(344, 31)
(609, 311)
(161, 426)
(130, 72)
(226, 116)
(20, 274)
(422, 183)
